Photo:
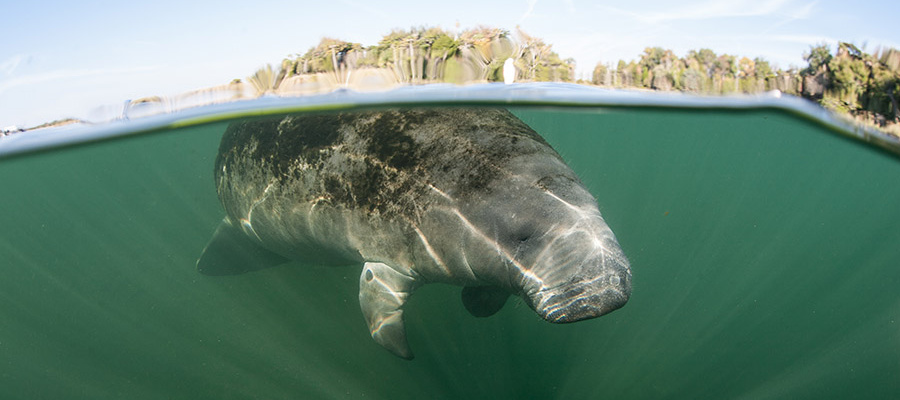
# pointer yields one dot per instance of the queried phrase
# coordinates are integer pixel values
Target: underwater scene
(755, 251)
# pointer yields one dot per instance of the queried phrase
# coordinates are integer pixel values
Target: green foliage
(541, 63)
(454, 72)
(849, 76)
(425, 55)
(444, 46)
(695, 81)
(706, 58)
(654, 56)
(599, 77)
(849, 80)
(329, 55)
(762, 69)
(817, 57)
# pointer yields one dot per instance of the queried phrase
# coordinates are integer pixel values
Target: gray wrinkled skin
(470, 197)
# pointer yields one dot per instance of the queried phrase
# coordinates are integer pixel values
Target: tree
(626, 78)
(818, 56)
(532, 52)
(866, 85)
(849, 77)
(600, 75)
(707, 59)
(724, 71)
(654, 56)
(693, 81)
(330, 55)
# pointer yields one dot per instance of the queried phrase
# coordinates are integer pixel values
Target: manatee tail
(231, 252)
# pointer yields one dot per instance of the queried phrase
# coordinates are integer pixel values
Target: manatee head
(580, 273)
(561, 257)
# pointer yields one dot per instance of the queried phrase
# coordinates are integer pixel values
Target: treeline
(427, 55)
(848, 80)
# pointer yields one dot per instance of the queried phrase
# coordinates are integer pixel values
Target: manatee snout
(586, 299)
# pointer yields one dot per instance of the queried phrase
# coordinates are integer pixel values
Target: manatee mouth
(581, 301)
(568, 307)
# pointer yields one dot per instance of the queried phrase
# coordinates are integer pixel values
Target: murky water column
(763, 250)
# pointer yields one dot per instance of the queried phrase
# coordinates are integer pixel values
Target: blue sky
(85, 58)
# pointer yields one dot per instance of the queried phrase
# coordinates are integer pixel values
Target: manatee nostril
(369, 275)
(615, 280)
(522, 236)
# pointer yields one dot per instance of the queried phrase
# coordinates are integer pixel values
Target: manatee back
(379, 162)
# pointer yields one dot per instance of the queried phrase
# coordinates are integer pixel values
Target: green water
(765, 253)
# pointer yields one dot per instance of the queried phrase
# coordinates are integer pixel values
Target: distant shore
(864, 87)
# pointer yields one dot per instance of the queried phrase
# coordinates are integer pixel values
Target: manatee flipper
(483, 301)
(231, 252)
(382, 293)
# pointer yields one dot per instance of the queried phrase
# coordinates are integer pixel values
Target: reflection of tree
(421, 55)
(483, 51)
(266, 80)
(330, 56)
(541, 62)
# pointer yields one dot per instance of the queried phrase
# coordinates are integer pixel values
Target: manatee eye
(369, 275)
(523, 238)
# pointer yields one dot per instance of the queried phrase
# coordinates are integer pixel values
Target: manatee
(464, 196)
